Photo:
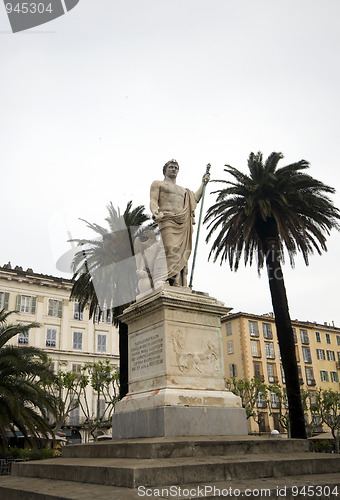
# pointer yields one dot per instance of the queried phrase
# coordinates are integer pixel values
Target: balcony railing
(75, 421)
(262, 404)
(311, 381)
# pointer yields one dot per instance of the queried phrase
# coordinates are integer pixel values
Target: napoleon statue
(173, 209)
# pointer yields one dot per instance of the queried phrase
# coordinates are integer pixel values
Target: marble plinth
(176, 366)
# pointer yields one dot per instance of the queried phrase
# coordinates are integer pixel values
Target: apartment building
(251, 349)
(66, 333)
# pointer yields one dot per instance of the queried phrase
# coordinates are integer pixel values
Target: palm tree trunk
(286, 341)
(123, 359)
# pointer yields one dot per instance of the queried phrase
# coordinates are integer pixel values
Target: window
(328, 338)
(101, 343)
(306, 355)
(283, 375)
(102, 407)
(304, 337)
(74, 416)
(23, 338)
(274, 400)
(255, 348)
(320, 354)
(310, 376)
(230, 347)
(294, 335)
(78, 311)
(267, 330)
(261, 401)
(51, 337)
(99, 315)
(253, 329)
(271, 373)
(55, 308)
(26, 304)
(233, 370)
(338, 339)
(324, 376)
(109, 316)
(334, 377)
(4, 299)
(300, 375)
(331, 355)
(228, 326)
(77, 340)
(258, 370)
(269, 347)
(318, 337)
(76, 368)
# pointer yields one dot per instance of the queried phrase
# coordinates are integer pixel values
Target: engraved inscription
(146, 353)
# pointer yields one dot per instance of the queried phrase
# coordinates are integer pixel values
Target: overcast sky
(95, 102)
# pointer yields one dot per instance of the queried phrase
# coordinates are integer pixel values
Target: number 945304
(28, 8)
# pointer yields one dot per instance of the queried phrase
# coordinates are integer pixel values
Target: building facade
(66, 333)
(251, 350)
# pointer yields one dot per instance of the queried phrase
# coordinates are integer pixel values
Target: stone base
(171, 421)
(171, 396)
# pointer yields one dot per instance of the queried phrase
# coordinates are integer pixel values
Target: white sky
(95, 102)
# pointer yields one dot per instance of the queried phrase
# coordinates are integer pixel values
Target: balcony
(311, 381)
(75, 421)
(301, 381)
(262, 404)
(275, 404)
(272, 379)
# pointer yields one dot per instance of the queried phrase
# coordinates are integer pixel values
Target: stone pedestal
(176, 370)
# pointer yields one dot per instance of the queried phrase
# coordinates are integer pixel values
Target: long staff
(198, 229)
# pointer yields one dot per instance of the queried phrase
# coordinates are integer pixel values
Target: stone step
(132, 473)
(186, 447)
(320, 486)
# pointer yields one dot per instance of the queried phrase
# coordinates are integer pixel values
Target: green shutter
(6, 300)
(18, 303)
(60, 308)
(34, 303)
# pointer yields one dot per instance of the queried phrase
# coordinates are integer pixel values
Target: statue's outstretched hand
(206, 178)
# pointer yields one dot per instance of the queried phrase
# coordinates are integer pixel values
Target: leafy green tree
(257, 216)
(105, 272)
(328, 403)
(280, 408)
(25, 405)
(104, 383)
(65, 390)
(249, 391)
(311, 408)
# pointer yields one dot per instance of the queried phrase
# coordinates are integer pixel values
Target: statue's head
(168, 163)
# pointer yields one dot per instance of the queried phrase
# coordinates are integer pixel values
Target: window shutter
(6, 300)
(18, 303)
(60, 309)
(34, 303)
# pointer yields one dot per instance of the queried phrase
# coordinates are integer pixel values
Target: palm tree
(105, 272)
(260, 214)
(24, 403)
